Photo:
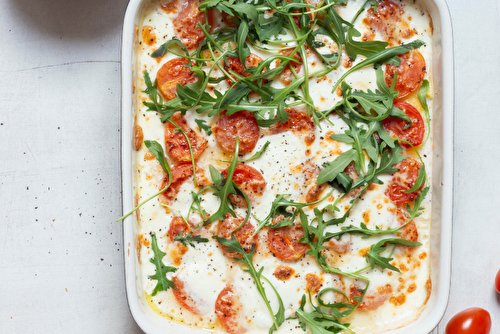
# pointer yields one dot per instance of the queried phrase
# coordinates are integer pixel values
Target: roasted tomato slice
(404, 180)
(396, 127)
(250, 181)
(236, 66)
(180, 174)
(227, 309)
(177, 144)
(241, 124)
(188, 16)
(284, 242)
(173, 72)
(411, 73)
(297, 122)
(371, 301)
(244, 235)
(183, 297)
(287, 75)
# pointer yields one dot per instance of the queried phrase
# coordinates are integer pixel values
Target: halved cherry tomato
(181, 173)
(235, 65)
(403, 180)
(396, 127)
(182, 297)
(172, 73)
(411, 73)
(227, 226)
(473, 320)
(227, 308)
(188, 16)
(497, 282)
(250, 181)
(241, 124)
(177, 144)
(297, 122)
(284, 242)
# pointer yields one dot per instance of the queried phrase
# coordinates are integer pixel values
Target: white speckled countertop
(61, 267)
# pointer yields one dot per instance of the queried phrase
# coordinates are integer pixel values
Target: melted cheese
(205, 271)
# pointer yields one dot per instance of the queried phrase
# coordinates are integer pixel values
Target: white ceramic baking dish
(151, 323)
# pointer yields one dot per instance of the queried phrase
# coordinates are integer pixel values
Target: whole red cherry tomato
(473, 320)
(497, 282)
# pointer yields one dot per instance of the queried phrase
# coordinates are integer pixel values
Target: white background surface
(61, 262)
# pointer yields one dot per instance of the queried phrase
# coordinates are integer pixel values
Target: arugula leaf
(332, 169)
(422, 97)
(224, 187)
(380, 57)
(320, 322)
(234, 245)
(362, 230)
(196, 205)
(163, 283)
(203, 126)
(367, 49)
(154, 147)
(163, 49)
(258, 153)
(279, 208)
(417, 208)
(374, 258)
(189, 239)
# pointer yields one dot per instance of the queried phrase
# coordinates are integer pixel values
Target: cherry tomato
(244, 235)
(473, 320)
(297, 122)
(180, 174)
(235, 65)
(241, 124)
(411, 73)
(403, 180)
(177, 144)
(188, 16)
(284, 242)
(172, 73)
(227, 309)
(250, 181)
(396, 127)
(497, 282)
(184, 298)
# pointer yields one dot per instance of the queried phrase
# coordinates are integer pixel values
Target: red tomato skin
(497, 282)
(396, 127)
(473, 320)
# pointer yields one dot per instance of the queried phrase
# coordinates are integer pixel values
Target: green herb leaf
(225, 187)
(362, 230)
(163, 49)
(154, 147)
(258, 153)
(422, 97)
(203, 126)
(163, 283)
(374, 258)
(367, 49)
(234, 245)
(189, 239)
